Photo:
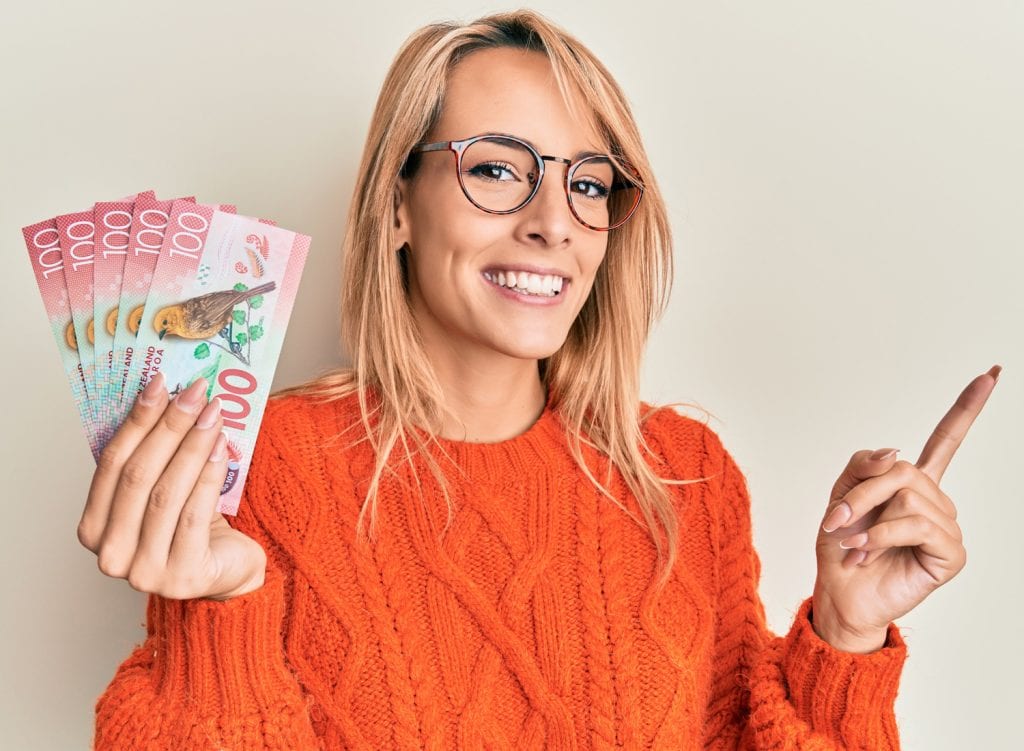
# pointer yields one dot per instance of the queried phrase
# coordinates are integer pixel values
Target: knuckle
(87, 536)
(190, 518)
(110, 458)
(906, 500)
(142, 580)
(112, 564)
(161, 498)
(905, 471)
(135, 475)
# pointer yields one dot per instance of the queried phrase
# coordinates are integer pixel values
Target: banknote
(146, 358)
(75, 234)
(42, 240)
(217, 309)
(112, 222)
(146, 237)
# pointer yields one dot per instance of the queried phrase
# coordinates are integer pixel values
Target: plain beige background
(845, 186)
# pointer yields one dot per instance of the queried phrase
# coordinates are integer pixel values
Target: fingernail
(151, 394)
(995, 370)
(883, 454)
(838, 517)
(190, 399)
(854, 542)
(219, 448)
(208, 417)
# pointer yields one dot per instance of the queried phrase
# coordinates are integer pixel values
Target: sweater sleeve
(794, 691)
(213, 675)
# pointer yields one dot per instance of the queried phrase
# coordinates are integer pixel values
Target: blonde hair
(593, 379)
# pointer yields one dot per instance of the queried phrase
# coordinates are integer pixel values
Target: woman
(550, 562)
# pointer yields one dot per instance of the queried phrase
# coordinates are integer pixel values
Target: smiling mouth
(533, 285)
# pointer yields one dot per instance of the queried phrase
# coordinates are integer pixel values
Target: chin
(541, 348)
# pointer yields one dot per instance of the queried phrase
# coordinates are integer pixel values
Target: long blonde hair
(593, 379)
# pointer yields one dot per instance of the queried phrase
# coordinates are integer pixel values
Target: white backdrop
(846, 196)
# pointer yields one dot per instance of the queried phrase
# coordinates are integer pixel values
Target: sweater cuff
(842, 694)
(222, 657)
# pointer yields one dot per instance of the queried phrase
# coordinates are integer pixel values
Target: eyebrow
(579, 154)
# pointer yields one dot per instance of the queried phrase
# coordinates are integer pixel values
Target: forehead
(514, 91)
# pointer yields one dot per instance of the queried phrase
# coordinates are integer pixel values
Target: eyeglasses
(500, 174)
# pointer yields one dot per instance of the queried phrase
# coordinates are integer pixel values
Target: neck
(491, 397)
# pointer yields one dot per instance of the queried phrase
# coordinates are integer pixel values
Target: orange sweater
(533, 625)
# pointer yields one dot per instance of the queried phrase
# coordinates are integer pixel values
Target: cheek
(453, 232)
(593, 256)
(590, 264)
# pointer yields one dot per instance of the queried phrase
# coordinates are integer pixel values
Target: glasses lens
(604, 193)
(498, 173)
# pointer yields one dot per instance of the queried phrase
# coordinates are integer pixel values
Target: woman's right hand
(151, 513)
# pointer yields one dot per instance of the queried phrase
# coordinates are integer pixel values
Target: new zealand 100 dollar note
(112, 222)
(42, 240)
(218, 307)
(141, 269)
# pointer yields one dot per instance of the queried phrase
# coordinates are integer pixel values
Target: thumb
(862, 466)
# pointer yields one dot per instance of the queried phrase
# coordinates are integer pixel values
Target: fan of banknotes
(140, 286)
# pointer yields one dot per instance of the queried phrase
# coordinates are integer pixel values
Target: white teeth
(526, 283)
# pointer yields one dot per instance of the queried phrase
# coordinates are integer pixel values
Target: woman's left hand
(889, 537)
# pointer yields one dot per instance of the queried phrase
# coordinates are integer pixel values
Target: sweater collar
(530, 450)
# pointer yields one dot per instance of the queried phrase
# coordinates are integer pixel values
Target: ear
(400, 206)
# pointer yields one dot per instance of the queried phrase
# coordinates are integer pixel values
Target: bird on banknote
(202, 317)
(135, 319)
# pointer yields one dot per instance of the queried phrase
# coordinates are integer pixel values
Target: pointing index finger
(953, 427)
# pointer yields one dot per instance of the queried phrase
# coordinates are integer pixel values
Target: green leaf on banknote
(240, 287)
(209, 374)
(255, 331)
(202, 351)
(255, 302)
(240, 337)
(239, 316)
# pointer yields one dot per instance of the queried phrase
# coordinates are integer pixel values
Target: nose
(547, 219)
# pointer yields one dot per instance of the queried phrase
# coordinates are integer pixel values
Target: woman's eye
(589, 189)
(493, 171)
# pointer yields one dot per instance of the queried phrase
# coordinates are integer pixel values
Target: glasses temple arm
(440, 146)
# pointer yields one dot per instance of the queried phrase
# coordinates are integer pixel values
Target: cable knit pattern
(533, 623)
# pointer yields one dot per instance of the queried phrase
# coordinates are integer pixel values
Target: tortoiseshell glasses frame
(625, 170)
